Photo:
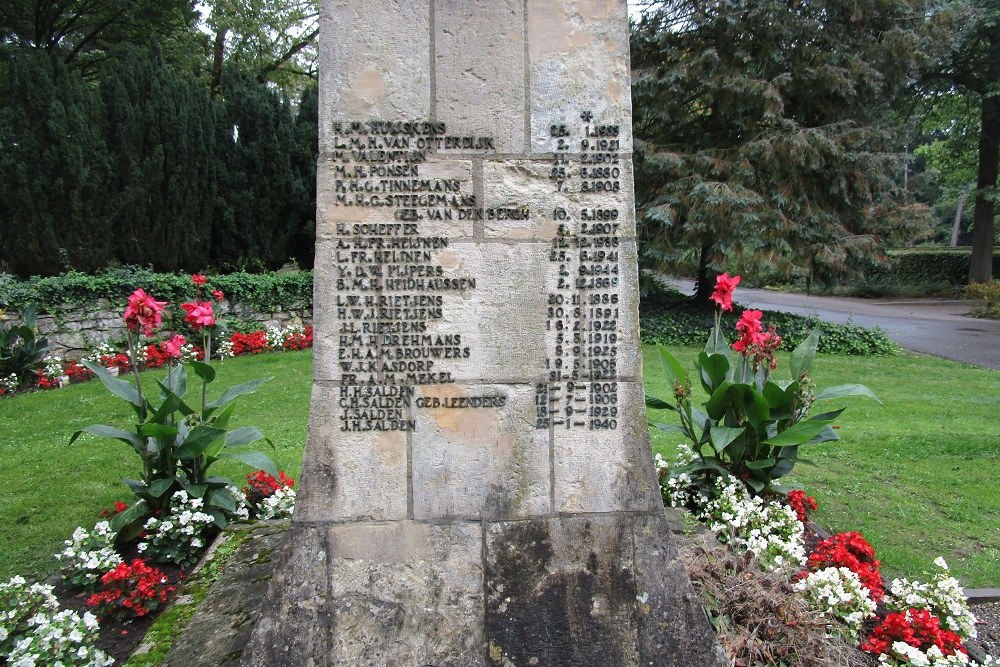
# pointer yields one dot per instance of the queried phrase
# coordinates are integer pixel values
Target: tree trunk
(956, 228)
(705, 284)
(218, 51)
(981, 265)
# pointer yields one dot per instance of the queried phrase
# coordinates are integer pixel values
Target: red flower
(218, 294)
(253, 343)
(802, 504)
(174, 345)
(723, 292)
(143, 312)
(852, 551)
(265, 484)
(749, 328)
(130, 590)
(198, 279)
(918, 628)
(199, 314)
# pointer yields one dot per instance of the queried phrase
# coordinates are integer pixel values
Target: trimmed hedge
(671, 321)
(930, 265)
(263, 292)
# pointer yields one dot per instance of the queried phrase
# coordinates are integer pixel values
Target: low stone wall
(75, 329)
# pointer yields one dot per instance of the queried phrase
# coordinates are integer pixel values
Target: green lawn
(917, 475)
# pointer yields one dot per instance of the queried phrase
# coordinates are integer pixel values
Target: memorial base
(601, 590)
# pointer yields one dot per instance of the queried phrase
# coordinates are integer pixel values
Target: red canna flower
(198, 279)
(174, 345)
(143, 312)
(199, 314)
(723, 292)
(218, 294)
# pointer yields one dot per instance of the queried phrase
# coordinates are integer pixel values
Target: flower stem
(135, 371)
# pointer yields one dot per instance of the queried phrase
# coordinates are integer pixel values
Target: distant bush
(989, 293)
(676, 321)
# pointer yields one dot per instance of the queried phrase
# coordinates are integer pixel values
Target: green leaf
(717, 346)
(198, 440)
(222, 420)
(222, 500)
(203, 370)
(798, 433)
(196, 490)
(138, 487)
(774, 395)
(233, 393)
(136, 512)
(160, 486)
(657, 404)
(118, 387)
(167, 408)
(847, 390)
(672, 368)
(826, 435)
(713, 369)
(804, 354)
(719, 400)
(723, 436)
(159, 431)
(103, 431)
(761, 464)
(255, 460)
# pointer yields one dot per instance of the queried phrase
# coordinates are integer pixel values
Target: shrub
(989, 294)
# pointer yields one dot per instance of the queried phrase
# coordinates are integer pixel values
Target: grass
(916, 475)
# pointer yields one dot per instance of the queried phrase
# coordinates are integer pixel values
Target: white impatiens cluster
(770, 530)
(943, 597)
(278, 505)
(276, 336)
(99, 353)
(225, 350)
(53, 366)
(88, 555)
(911, 656)
(838, 594)
(178, 537)
(9, 383)
(35, 632)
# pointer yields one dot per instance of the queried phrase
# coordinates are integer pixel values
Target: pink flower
(174, 346)
(218, 294)
(723, 292)
(143, 312)
(198, 279)
(199, 314)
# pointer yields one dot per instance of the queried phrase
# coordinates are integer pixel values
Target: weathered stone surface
(386, 71)
(481, 462)
(297, 629)
(479, 56)
(406, 593)
(611, 473)
(600, 591)
(219, 631)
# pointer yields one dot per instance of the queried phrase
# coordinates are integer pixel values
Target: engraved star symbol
(586, 116)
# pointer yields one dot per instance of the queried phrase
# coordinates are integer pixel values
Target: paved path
(939, 328)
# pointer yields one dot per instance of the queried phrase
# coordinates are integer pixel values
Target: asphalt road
(939, 328)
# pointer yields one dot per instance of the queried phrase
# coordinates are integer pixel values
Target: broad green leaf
(137, 511)
(138, 487)
(717, 345)
(713, 370)
(829, 416)
(672, 368)
(798, 433)
(222, 500)
(774, 395)
(719, 401)
(755, 407)
(847, 390)
(181, 405)
(826, 435)
(160, 486)
(197, 441)
(160, 431)
(103, 431)
(657, 404)
(761, 464)
(203, 370)
(723, 436)
(804, 354)
(222, 420)
(233, 393)
(755, 484)
(243, 436)
(118, 387)
(196, 490)
(255, 460)
(218, 516)
(167, 408)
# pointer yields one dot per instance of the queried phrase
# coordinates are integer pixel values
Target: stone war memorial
(478, 486)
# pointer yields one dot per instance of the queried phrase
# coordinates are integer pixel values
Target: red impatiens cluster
(299, 341)
(852, 551)
(251, 343)
(802, 504)
(918, 628)
(131, 590)
(265, 484)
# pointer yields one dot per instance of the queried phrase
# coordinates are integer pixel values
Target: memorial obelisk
(478, 486)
